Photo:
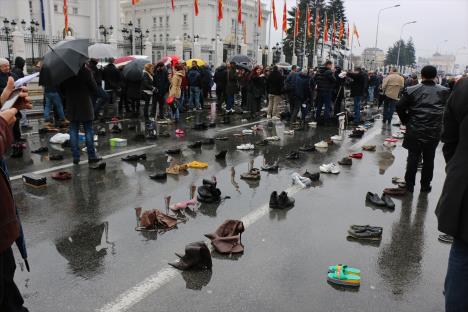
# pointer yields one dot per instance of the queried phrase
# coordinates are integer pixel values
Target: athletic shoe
(337, 138)
(321, 144)
(246, 147)
(330, 168)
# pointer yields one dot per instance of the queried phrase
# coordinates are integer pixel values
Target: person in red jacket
(10, 297)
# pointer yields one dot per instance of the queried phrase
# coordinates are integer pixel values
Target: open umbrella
(199, 62)
(101, 50)
(63, 61)
(21, 243)
(133, 71)
(240, 59)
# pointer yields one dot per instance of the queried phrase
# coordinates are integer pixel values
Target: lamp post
(127, 33)
(377, 28)
(276, 53)
(399, 41)
(7, 29)
(140, 34)
(105, 31)
(32, 28)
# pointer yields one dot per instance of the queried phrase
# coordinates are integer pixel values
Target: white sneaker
(321, 144)
(245, 147)
(272, 138)
(337, 138)
(247, 131)
(330, 168)
(289, 132)
(389, 144)
(398, 135)
(313, 124)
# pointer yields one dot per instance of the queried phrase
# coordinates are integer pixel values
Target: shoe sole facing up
(366, 238)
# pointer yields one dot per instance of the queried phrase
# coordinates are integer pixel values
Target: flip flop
(341, 278)
(346, 269)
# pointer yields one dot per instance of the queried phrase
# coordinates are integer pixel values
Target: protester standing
(113, 83)
(452, 209)
(275, 85)
(289, 87)
(255, 90)
(100, 98)
(301, 95)
(326, 83)
(373, 83)
(194, 78)
(391, 87)
(147, 90)
(18, 72)
(175, 91)
(53, 99)
(231, 87)
(421, 109)
(220, 79)
(338, 92)
(357, 91)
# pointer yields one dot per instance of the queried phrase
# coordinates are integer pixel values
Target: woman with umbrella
(255, 90)
(147, 89)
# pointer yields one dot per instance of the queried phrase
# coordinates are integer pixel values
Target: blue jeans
(456, 281)
(323, 99)
(370, 91)
(175, 109)
(53, 98)
(229, 102)
(194, 100)
(75, 142)
(357, 109)
(389, 109)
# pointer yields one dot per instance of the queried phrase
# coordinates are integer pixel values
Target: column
(148, 50)
(259, 56)
(219, 52)
(243, 48)
(17, 44)
(196, 50)
(93, 27)
(179, 47)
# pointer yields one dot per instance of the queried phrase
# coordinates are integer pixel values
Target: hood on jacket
(19, 62)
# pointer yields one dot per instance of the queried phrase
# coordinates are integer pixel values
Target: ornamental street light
(7, 29)
(106, 31)
(32, 28)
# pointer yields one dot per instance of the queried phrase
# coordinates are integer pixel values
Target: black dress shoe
(346, 161)
(374, 199)
(284, 201)
(312, 176)
(173, 151)
(274, 200)
(292, 155)
(221, 155)
(40, 150)
(388, 201)
(159, 176)
(196, 144)
(307, 148)
(270, 168)
(56, 157)
(134, 157)
(209, 182)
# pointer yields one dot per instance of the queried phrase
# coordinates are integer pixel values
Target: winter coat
(112, 77)
(161, 81)
(358, 84)
(220, 78)
(452, 209)
(231, 85)
(301, 88)
(290, 80)
(9, 225)
(176, 82)
(18, 70)
(373, 81)
(206, 78)
(275, 83)
(97, 74)
(325, 80)
(194, 77)
(77, 91)
(133, 89)
(147, 83)
(421, 109)
(392, 85)
(255, 90)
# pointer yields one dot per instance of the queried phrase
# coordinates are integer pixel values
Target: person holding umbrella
(10, 228)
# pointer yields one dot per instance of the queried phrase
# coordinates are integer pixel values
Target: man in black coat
(275, 85)
(220, 78)
(101, 98)
(113, 82)
(357, 91)
(452, 209)
(421, 109)
(326, 82)
(338, 92)
(161, 83)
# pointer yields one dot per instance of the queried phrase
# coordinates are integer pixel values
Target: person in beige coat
(391, 87)
(175, 91)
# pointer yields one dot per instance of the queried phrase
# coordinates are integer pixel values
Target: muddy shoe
(173, 151)
(195, 145)
(307, 148)
(221, 155)
(367, 234)
(159, 176)
(253, 174)
(270, 168)
(284, 201)
(388, 201)
(346, 161)
(374, 199)
(312, 176)
(369, 148)
(274, 200)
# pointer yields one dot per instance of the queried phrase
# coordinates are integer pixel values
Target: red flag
(134, 2)
(239, 11)
(309, 33)
(195, 5)
(273, 9)
(317, 24)
(285, 19)
(341, 31)
(65, 13)
(355, 31)
(259, 15)
(172, 3)
(325, 29)
(220, 10)
(334, 30)
(296, 24)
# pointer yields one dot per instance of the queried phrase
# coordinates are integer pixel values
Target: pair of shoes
(337, 138)
(357, 133)
(307, 148)
(383, 201)
(312, 176)
(344, 268)
(159, 176)
(245, 147)
(300, 180)
(343, 277)
(321, 144)
(252, 174)
(221, 155)
(270, 168)
(365, 232)
(195, 145)
(281, 201)
(398, 135)
(288, 132)
(173, 151)
(345, 161)
(293, 155)
(330, 168)
(134, 157)
(369, 148)
(61, 175)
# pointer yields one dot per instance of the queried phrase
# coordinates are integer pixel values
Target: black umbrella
(133, 71)
(21, 244)
(240, 59)
(63, 61)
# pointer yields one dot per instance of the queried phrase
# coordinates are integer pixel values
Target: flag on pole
(195, 5)
(135, 2)
(317, 24)
(341, 31)
(355, 31)
(259, 15)
(325, 29)
(220, 10)
(65, 13)
(309, 33)
(285, 19)
(273, 9)
(239, 11)
(296, 23)
(333, 31)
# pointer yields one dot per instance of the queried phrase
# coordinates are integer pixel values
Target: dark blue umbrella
(133, 71)
(21, 243)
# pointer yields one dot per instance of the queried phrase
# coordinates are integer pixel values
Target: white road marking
(243, 125)
(20, 176)
(152, 283)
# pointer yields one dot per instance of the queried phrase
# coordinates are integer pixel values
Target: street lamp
(140, 35)
(377, 28)
(127, 33)
(276, 53)
(105, 31)
(32, 28)
(399, 41)
(7, 29)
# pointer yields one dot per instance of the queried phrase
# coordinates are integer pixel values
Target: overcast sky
(437, 20)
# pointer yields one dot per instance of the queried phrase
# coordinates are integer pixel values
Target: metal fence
(5, 44)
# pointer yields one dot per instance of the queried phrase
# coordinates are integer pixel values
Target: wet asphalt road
(86, 256)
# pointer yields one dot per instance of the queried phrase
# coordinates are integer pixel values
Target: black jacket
(161, 82)
(358, 84)
(421, 109)
(325, 80)
(302, 88)
(3, 81)
(452, 209)
(97, 73)
(220, 78)
(112, 77)
(275, 82)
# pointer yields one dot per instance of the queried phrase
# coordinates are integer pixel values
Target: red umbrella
(173, 60)
(123, 60)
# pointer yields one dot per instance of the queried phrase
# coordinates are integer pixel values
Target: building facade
(372, 58)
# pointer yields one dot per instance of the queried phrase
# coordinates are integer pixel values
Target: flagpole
(315, 38)
(305, 40)
(294, 36)
(351, 53)
(165, 31)
(269, 33)
(256, 34)
(133, 30)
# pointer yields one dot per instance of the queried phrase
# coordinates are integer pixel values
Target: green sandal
(341, 278)
(346, 269)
